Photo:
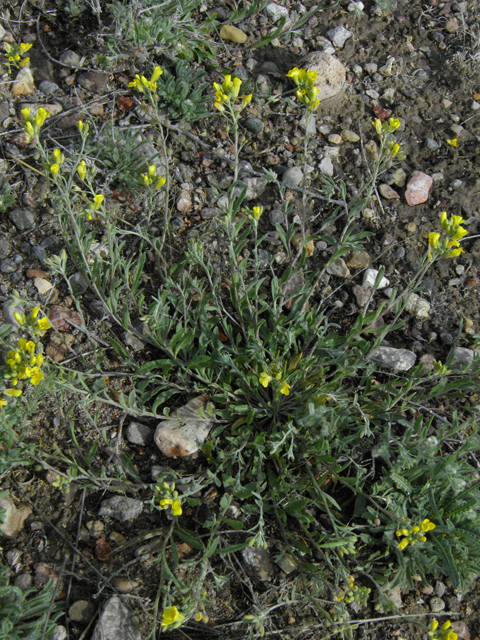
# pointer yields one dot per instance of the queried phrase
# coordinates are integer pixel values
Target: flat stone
(326, 166)
(93, 81)
(184, 202)
(462, 356)
(276, 216)
(47, 87)
(331, 74)
(13, 517)
(339, 35)
(124, 584)
(334, 138)
(418, 188)
(22, 219)
(231, 33)
(369, 278)
(23, 581)
(302, 125)
(42, 285)
(8, 266)
(70, 58)
(185, 432)
(138, 433)
(116, 622)
(121, 508)
(358, 260)
(388, 193)
(338, 268)
(362, 294)
(254, 125)
(257, 563)
(399, 177)
(287, 563)
(24, 83)
(292, 177)
(396, 359)
(276, 11)
(255, 188)
(436, 604)
(418, 306)
(350, 136)
(81, 611)
(209, 212)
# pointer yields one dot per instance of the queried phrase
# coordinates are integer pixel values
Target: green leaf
(233, 548)
(190, 538)
(445, 551)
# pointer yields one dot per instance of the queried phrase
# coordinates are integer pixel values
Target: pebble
(47, 87)
(292, 177)
(42, 285)
(331, 74)
(418, 188)
(358, 260)
(8, 266)
(9, 313)
(312, 129)
(93, 81)
(446, 338)
(210, 212)
(297, 243)
(287, 563)
(432, 144)
(43, 574)
(399, 177)
(475, 105)
(462, 356)
(81, 611)
(326, 166)
(96, 528)
(79, 283)
(257, 563)
(371, 93)
(124, 584)
(255, 125)
(440, 589)
(339, 35)
(184, 202)
(138, 433)
(419, 307)
(456, 184)
(371, 67)
(24, 83)
(23, 581)
(387, 69)
(369, 278)
(116, 622)
(59, 633)
(362, 294)
(121, 508)
(13, 517)
(276, 11)
(334, 138)
(399, 253)
(232, 34)
(184, 433)
(387, 192)
(276, 216)
(70, 58)
(350, 136)
(338, 268)
(396, 359)
(255, 188)
(411, 227)
(23, 219)
(436, 605)
(357, 6)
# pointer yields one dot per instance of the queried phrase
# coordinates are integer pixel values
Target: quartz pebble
(369, 278)
(276, 11)
(396, 359)
(339, 35)
(418, 188)
(418, 306)
(331, 74)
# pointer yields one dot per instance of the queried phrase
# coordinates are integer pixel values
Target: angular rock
(302, 125)
(255, 188)
(231, 33)
(331, 74)
(287, 563)
(257, 563)
(116, 622)
(418, 306)
(24, 83)
(358, 260)
(462, 357)
(59, 317)
(338, 268)
(184, 202)
(326, 166)
(210, 212)
(93, 81)
(82, 611)
(362, 294)
(70, 58)
(185, 432)
(292, 177)
(138, 433)
(276, 11)
(121, 508)
(13, 517)
(418, 188)
(47, 87)
(388, 193)
(396, 359)
(339, 35)
(369, 278)
(22, 219)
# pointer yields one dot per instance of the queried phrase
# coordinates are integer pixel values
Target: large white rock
(331, 74)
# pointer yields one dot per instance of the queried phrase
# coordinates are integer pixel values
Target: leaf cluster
(183, 93)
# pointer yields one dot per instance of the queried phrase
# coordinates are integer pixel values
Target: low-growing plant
(7, 198)
(183, 94)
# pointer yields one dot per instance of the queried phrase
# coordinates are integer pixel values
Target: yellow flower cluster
(172, 617)
(58, 160)
(153, 178)
(449, 244)
(33, 125)
(265, 379)
(171, 500)
(228, 92)
(257, 212)
(141, 84)
(95, 206)
(24, 364)
(384, 129)
(444, 633)
(36, 326)
(15, 52)
(82, 170)
(307, 92)
(415, 533)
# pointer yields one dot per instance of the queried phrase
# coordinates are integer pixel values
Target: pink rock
(184, 202)
(418, 188)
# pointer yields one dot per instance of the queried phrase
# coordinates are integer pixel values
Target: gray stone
(121, 508)
(276, 11)
(331, 74)
(326, 166)
(338, 268)
(185, 431)
(138, 433)
(270, 67)
(287, 563)
(70, 58)
(339, 35)
(462, 356)
(276, 217)
(440, 589)
(432, 144)
(255, 125)
(23, 581)
(78, 283)
(264, 84)
(255, 188)
(302, 125)
(8, 313)
(116, 622)
(93, 81)
(220, 181)
(81, 611)
(362, 294)
(292, 177)
(436, 604)
(22, 219)
(60, 633)
(257, 563)
(369, 278)
(47, 87)
(209, 212)
(396, 359)
(40, 253)
(133, 341)
(8, 266)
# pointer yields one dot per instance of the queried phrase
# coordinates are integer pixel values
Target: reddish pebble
(418, 188)
(387, 240)
(184, 202)
(472, 282)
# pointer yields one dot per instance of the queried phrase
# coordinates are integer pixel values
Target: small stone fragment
(388, 193)
(436, 605)
(70, 58)
(124, 584)
(369, 278)
(231, 33)
(133, 341)
(96, 528)
(257, 563)
(339, 35)
(326, 166)
(22, 219)
(399, 177)
(462, 357)
(184, 202)
(81, 611)
(13, 517)
(185, 432)
(387, 69)
(42, 285)
(93, 81)
(334, 138)
(358, 260)
(338, 268)
(292, 177)
(276, 11)
(59, 317)
(418, 188)
(24, 83)
(331, 74)
(138, 433)
(396, 359)
(418, 306)
(116, 622)
(362, 294)
(255, 125)
(297, 243)
(287, 563)
(371, 147)
(350, 136)
(121, 508)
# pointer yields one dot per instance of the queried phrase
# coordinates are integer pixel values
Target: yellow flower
(24, 47)
(29, 130)
(176, 508)
(82, 169)
(55, 168)
(285, 389)
(26, 113)
(15, 393)
(97, 201)
(433, 239)
(403, 544)
(237, 83)
(219, 106)
(24, 62)
(453, 142)
(427, 525)
(171, 615)
(246, 100)
(394, 149)
(3, 403)
(83, 127)
(42, 115)
(294, 74)
(257, 212)
(20, 318)
(394, 124)
(157, 72)
(378, 126)
(161, 181)
(443, 219)
(457, 221)
(265, 379)
(455, 253)
(460, 233)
